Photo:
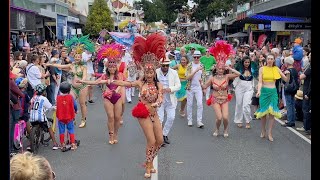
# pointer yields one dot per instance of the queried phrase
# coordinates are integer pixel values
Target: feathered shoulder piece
(80, 44)
(110, 51)
(149, 51)
(221, 52)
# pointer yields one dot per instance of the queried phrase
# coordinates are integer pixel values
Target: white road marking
(295, 131)
(154, 176)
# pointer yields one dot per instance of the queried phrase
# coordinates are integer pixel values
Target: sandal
(239, 125)
(115, 139)
(182, 113)
(111, 141)
(248, 126)
(65, 149)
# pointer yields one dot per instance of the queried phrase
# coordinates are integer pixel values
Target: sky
(82, 5)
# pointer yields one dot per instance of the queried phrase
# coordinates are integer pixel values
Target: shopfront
(61, 27)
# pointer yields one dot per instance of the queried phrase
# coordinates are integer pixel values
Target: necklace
(219, 76)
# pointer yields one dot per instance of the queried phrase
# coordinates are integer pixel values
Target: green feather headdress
(80, 44)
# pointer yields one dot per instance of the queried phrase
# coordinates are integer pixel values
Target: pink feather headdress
(110, 51)
(221, 52)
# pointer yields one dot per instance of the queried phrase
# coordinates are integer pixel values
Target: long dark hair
(241, 68)
(155, 79)
(115, 74)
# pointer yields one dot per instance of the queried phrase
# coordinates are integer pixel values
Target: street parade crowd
(166, 73)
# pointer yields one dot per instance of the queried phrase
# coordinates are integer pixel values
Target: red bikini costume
(220, 89)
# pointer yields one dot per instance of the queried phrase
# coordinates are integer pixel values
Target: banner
(254, 27)
(125, 39)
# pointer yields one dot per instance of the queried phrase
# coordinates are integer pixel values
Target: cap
(298, 41)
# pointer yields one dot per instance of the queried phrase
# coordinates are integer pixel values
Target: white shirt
(195, 83)
(33, 75)
(86, 58)
(39, 106)
(127, 58)
(164, 80)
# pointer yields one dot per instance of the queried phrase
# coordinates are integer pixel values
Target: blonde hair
(27, 166)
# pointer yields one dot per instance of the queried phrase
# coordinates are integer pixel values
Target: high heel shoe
(83, 123)
(148, 172)
(111, 141)
(270, 138)
(263, 134)
(216, 133)
(225, 135)
(115, 139)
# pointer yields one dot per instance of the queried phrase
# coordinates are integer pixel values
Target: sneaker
(91, 101)
(190, 123)
(55, 147)
(300, 129)
(129, 102)
(200, 125)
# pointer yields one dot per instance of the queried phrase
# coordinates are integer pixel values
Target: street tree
(99, 18)
(206, 10)
(156, 10)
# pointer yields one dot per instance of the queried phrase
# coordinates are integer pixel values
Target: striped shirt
(39, 105)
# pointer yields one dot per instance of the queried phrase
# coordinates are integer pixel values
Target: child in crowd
(66, 110)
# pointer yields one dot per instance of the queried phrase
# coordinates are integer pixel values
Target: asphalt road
(194, 154)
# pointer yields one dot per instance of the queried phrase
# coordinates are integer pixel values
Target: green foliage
(156, 10)
(99, 18)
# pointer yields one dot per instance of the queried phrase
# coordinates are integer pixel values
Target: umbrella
(196, 46)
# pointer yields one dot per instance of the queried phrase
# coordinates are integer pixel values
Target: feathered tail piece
(80, 44)
(110, 51)
(221, 52)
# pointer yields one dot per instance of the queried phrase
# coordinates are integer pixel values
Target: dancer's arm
(160, 96)
(207, 84)
(124, 83)
(234, 74)
(259, 83)
(60, 66)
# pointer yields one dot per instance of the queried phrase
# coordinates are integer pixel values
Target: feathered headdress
(80, 44)
(221, 52)
(110, 51)
(148, 52)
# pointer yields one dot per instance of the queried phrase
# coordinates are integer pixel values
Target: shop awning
(237, 35)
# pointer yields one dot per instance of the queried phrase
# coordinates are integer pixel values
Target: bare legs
(153, 134)
(114, 115)
(183, 107)
(82, 101)
(222, 114)
(263, 126)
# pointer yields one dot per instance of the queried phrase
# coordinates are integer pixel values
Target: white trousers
(171, 112)
(198, 94)
(244, 93)
(129, 93)
(209, 88)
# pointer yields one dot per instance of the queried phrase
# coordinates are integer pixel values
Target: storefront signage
(61, 23)
(283, 33)
(297, 26)
(253, 27)
(21, 22)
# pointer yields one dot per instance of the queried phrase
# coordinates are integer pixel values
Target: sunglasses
(53, 175)
(196, 57)
(165, 65)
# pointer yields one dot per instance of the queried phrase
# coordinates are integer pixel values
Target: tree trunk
(209, 31)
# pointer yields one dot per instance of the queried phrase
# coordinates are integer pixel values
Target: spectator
(27, 166)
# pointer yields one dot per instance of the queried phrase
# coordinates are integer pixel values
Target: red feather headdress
(148, 52)
(221, 52)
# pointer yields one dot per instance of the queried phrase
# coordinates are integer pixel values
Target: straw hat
(299, 95)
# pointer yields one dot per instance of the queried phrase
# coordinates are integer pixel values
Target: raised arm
(60, 66)
(234, 74)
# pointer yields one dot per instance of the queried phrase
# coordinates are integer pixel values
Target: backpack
(65, 108)
(291, 87)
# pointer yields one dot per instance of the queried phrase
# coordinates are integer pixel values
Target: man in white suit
(171, 84)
